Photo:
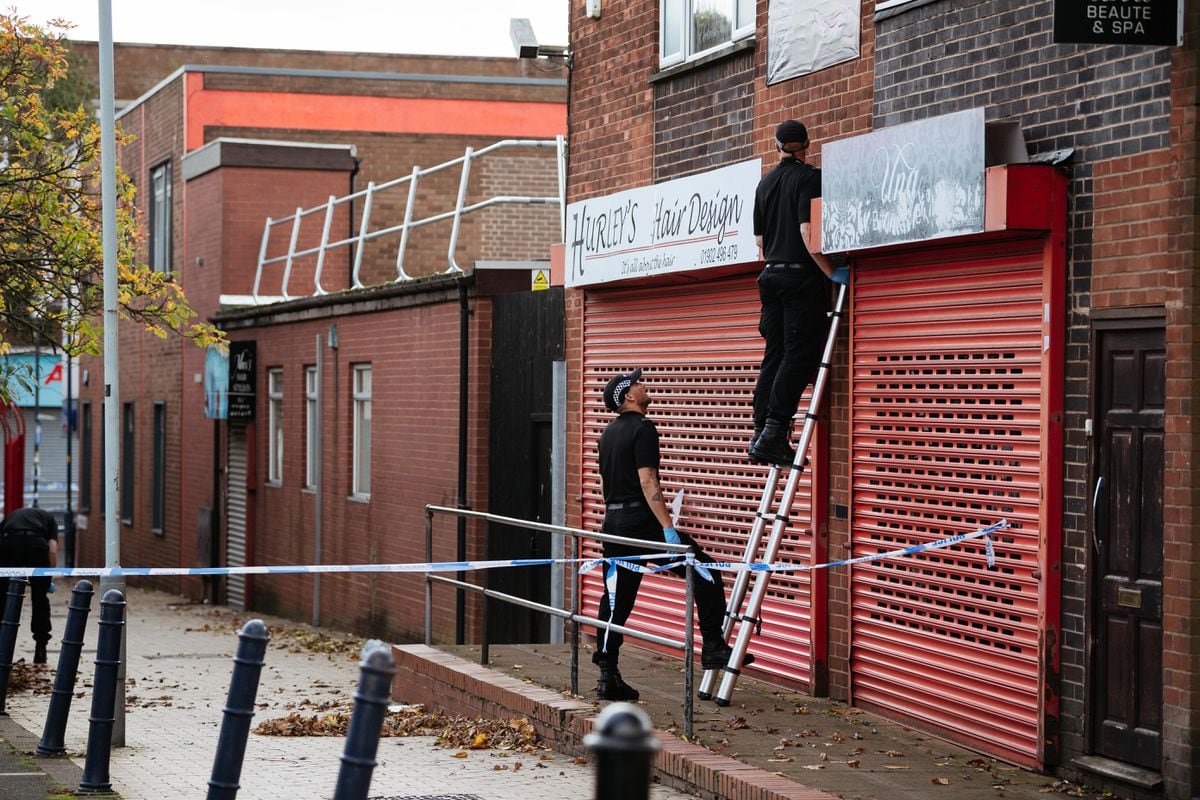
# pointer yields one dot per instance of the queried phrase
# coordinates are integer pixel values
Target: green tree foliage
(51, 253)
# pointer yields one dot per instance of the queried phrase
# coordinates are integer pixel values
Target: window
(362, 430)
(85, 457)
(103, 462)
(160, 217)
(127, 463)
(275, 425)
(311, 451)
(158, 506)
(691, 28)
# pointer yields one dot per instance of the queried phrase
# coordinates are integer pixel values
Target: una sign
(685, 224)
(1144, 22)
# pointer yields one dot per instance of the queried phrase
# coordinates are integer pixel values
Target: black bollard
(239, 710)
(376, 671)
(9, 627)
(68, 667)
(104, 694)
(623, 745)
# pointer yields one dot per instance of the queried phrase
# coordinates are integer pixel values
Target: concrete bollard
(623, 744)
(104, 695)
(376, 671)
(239, 710)
(68, 667)
(10, 625)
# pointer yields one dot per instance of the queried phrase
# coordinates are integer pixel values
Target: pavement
(179, 660)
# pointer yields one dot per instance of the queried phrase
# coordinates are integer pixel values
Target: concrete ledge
(444, 681)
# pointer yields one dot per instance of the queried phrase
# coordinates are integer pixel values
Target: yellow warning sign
(541, 279)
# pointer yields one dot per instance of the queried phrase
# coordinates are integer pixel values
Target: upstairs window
(275, 426)
(689, 29)
(160, 217)
(361, 478)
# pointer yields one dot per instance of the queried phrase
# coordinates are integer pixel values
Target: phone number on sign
(715, 255)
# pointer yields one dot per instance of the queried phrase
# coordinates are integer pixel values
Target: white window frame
(361, 458)
(743, 24)
(310, 428)
(275, 426)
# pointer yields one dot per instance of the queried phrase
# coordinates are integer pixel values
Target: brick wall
(1129, 115)
(412, 347)
(519, 232)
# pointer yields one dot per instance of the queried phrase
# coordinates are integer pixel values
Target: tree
(51, 253)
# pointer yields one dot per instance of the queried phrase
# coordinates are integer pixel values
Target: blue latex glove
(671, 535)
(841, 276)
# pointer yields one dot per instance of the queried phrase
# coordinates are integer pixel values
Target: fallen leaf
(460, 754)
(941, 781)
(895, 766)
(894, 754)
(737, 723)
(814, 766)
(824, 756)
(852, 763)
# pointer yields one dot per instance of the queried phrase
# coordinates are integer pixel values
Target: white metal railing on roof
(364, 235)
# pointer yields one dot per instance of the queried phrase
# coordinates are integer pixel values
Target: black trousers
(29, 551)
(794, 324)
(640, 523)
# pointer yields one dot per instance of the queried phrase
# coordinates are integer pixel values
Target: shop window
(689, 29)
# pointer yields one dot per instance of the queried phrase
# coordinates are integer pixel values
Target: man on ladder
(795, 307)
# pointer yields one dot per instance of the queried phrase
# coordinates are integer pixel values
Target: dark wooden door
(527, 338)
(1128, 524)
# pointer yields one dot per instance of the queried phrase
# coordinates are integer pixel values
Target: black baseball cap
(618, 386)
(791, 131)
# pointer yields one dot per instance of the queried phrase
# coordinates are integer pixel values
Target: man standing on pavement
(29, 538)
(635, 508)
(794, 319)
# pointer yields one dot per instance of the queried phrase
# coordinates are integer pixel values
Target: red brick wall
(413, 353)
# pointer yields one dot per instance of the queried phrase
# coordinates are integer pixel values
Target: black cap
(618, 387)
(791, 131)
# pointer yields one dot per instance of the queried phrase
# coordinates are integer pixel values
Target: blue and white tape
(300, 569)
(982, 533)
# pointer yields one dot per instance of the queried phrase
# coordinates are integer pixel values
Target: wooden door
(1128, 536)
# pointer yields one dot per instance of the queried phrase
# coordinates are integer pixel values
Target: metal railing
(574, 615)
(368, 195)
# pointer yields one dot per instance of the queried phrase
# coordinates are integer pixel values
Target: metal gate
(700, 350)
(235, 524)
(947, 414)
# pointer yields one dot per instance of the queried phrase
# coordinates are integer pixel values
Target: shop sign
(905, 183)
(680, 225)
(1129, 22)
(242, 362)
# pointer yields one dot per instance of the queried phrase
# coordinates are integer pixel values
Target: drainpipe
(464, 327)
(350, 231)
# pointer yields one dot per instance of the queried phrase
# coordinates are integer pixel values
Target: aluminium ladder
(749, 618)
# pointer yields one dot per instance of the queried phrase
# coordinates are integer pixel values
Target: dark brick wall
(1128, 113)
(704, 117)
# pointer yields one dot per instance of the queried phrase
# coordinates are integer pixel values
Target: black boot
(39, 652)
(715, 655)
(772, 446)
(758, 429)
(612, 686)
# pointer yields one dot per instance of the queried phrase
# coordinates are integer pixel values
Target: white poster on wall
(804, 36)
(691, 223)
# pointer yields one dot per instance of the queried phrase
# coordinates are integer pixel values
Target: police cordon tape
(667, 561)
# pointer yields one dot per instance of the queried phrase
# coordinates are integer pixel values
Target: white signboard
(804, 36)
(685, 224)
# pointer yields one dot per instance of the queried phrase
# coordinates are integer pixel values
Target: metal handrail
(461, 209)
(687, 645)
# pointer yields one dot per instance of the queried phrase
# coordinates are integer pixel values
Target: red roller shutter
(947, 418)
(700, 349)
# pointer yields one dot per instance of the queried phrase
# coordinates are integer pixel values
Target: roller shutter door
(947, 361)
(235, 505)
(700, 349)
